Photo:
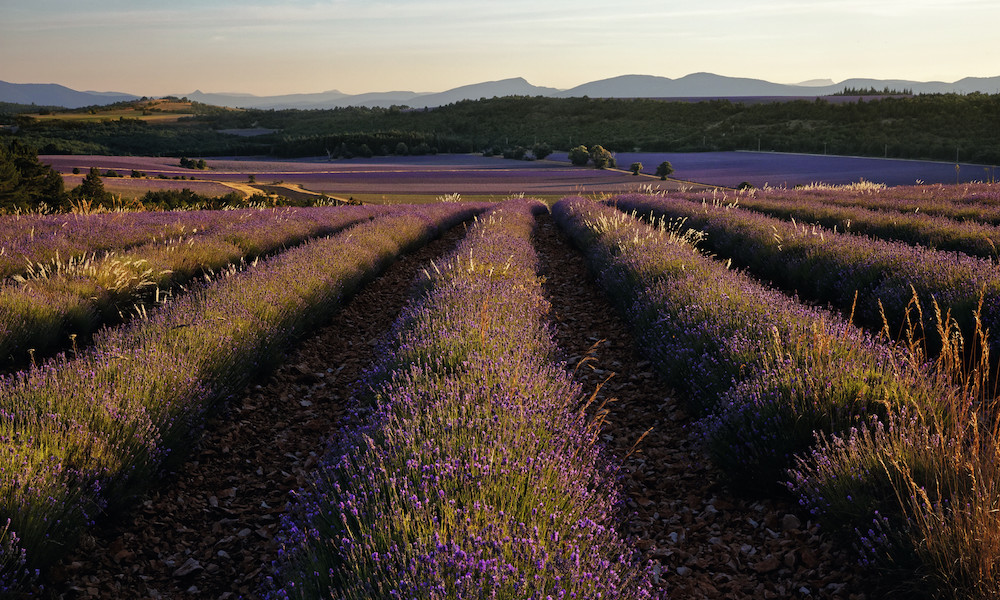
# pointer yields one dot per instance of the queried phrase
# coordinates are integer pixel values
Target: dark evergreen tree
(25, 182)
(92, 188)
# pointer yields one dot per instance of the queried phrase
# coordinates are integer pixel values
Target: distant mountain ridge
(695, 85)
(52, 94)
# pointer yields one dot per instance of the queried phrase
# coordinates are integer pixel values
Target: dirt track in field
(207, 530)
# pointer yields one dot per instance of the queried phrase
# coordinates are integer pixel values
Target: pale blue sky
(295, 46)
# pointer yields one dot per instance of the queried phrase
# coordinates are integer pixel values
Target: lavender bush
(937, 232)
(80, 433)
(473, 471)
(874, 281)
(897, 454)
(53, 301)
(978, 202)
(762, 369)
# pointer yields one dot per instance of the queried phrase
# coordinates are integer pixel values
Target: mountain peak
(815, 83)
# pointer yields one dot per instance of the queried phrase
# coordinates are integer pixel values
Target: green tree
(26, 183)
(402, 149)
(636, 168)
(92, 188)
(664, 169)
(601, 157)
(579, 156)
(541, 150)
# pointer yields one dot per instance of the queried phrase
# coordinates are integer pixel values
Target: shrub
(541, 150)
(602, 158)
(579, 156)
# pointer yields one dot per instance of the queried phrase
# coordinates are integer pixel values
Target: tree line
(28, 185)
(937, 127)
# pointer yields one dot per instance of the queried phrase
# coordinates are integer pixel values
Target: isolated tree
(636, 168)
(601, 157)
(579, 156)
(664, 169)
(92, 188)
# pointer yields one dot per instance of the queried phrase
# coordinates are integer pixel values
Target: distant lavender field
(780, 169)
(440, 174)
(474, 174)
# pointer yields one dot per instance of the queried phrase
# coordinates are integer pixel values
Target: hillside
(938, 127)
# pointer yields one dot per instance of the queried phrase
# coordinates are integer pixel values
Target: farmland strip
(874, 280)
(83, 433)
(897, 436)
(221, 509)
(939, 233)
(709, 541)
(37, 239)
(473, 473)
(77, 297)
(767, 370)
(968, 202)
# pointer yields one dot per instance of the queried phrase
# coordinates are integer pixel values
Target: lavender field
(775, 169)
(415, 175)
(478, 175)
(827, 356)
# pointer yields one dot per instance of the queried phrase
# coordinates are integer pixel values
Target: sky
(161, 47)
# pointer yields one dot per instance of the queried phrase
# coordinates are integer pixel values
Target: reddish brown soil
(207, 530)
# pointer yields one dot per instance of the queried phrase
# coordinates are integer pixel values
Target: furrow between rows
(208, 530)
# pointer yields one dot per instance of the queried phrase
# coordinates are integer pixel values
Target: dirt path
(207, 531)
(710, 543)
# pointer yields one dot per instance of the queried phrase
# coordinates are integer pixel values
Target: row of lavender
(33, 242)
(471, 470)
(78, 295)
(35, 239)
(81, 436)
(43, 238)
(938, 232)
(878, 282)
(900, 464)
(979, 202)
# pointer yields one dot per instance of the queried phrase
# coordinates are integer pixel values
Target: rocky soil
(207, 530)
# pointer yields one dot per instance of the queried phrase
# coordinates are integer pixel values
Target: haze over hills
(51, 94)
(695, 85)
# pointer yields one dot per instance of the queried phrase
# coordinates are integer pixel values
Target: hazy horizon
(300, 46)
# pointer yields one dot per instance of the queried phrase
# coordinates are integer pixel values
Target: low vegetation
(855, 374)
(938, 127)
